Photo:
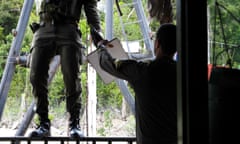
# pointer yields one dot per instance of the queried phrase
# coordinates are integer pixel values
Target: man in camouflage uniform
(57, 33)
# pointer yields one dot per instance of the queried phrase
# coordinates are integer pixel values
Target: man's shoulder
(145, 62)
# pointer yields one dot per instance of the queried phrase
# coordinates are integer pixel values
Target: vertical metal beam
(192, 72)
(109, 19)
(144, 26)
(14, 52)
(109, 35)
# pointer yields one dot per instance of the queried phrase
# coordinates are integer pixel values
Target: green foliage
(83, 77)
(1, 34)
(224, 24)
(11, 110)
(56, 89)
(4, 49)
(9, 14)
(107, 124)
(108, 95)
(58, 111)
(83, 26)
(18, 83)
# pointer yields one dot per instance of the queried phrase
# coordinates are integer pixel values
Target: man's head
(165, 43)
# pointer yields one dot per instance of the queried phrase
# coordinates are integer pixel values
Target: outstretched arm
(124, 69)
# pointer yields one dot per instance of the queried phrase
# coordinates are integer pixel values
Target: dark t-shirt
(154, 84)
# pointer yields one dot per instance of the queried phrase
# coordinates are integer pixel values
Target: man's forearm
(92, 14)
(110, 64)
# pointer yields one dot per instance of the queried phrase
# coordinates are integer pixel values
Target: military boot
(43, 130)
(74, 129)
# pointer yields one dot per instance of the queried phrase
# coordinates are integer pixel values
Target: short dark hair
(166, 36)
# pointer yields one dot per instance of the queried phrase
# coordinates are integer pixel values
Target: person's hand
(96, 37)
(102, 43)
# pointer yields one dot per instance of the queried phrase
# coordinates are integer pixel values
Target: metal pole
(14, 52)
(109, 19)
(144, 26)
(192, 80)
(109, 35)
